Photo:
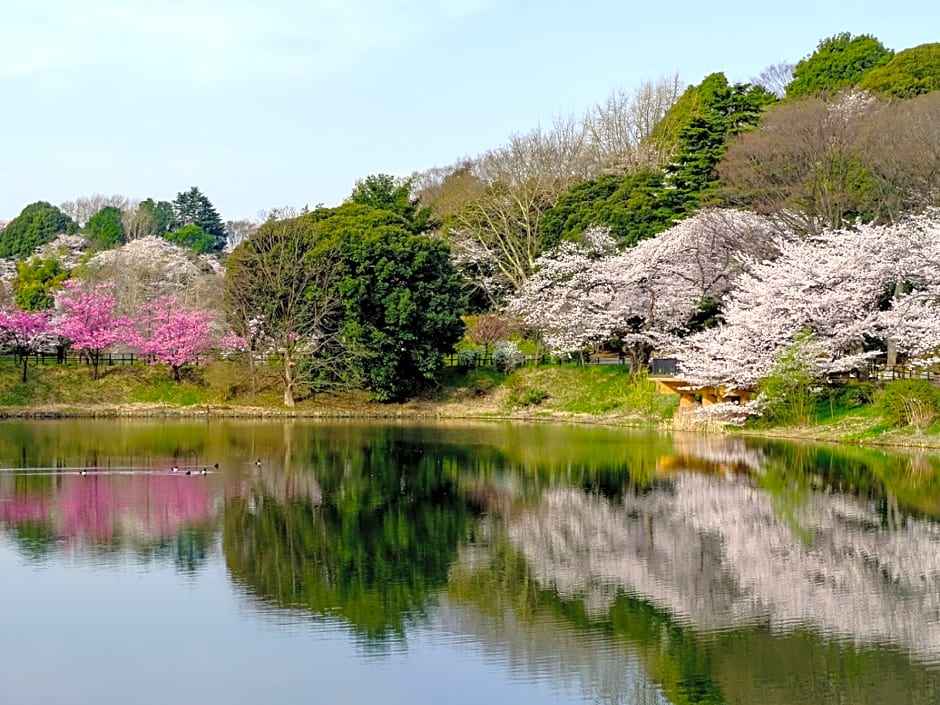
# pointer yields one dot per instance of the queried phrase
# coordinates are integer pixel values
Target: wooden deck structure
(699, 396)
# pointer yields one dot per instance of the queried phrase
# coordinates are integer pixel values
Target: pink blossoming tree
(25, 332)
(86, 317)
(173, 333)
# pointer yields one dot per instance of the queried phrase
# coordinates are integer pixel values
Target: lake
(460, 563)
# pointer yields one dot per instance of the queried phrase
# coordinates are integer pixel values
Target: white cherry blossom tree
(852, 288)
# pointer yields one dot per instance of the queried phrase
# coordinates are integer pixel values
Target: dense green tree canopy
(160, 213)
(357, 275)
(193, 208)
(634, 207)
(194, 238)
(910, 73)
(36, 225)
(401, 296)
(104, 229)
(392, 194)
(839, 61)
(36, 282)
(717, 112)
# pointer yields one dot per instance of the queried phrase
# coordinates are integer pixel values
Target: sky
(272, 103)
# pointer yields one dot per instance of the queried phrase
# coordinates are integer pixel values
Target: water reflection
(369, 541)
(620, 568)
(146, 512)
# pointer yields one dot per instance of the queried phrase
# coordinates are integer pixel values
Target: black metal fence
(663, 367)
(78, 358)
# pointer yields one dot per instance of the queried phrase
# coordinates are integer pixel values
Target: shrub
(791, 389)
(521, 394)
(506, 356)
(858, 394)
(910, 402)
(469, 357)
(481, 383)
(534, 396)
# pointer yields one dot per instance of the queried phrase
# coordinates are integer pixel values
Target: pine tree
(193, 208)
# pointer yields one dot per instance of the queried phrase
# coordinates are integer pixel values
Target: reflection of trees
(718, 553)
(373, 550)
(108, 443)
(150, 515)
(494, 597)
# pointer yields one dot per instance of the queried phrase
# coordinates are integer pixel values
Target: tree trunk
(176, 373)
(892, 355)
(251, 370)
(25, 361)
(891, 359)
(639, 357)
(287, 373)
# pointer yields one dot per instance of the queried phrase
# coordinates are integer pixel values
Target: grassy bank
(597, 394)
(898, 413)
(905, 413)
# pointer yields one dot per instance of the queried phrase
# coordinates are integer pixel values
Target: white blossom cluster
(718, 552)
(726, 413)
(848, 287)
(644, 296)
(150, 267)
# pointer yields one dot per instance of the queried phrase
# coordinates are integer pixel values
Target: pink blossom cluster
(85, 318)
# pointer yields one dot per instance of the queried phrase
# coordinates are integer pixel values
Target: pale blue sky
(282, 102)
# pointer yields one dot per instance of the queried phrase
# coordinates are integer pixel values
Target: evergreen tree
(839, 61)
(104, 229)
(722, 112)
(635, 207)
(392, 194)
(193, 208)
(910, 73)
(36, 225)
(161, 214)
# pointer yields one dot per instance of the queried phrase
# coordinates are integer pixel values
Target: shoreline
(429, 411)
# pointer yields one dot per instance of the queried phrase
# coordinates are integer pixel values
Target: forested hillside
(749, 229)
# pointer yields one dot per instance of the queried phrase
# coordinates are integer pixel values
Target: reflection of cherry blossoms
(109, 509)
(720, 553)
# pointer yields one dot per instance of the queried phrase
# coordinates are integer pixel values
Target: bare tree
(138, 223)
(513, 187)
(282, 213)
(904, 141)
(447, 189)
(804, 164)
(621, 128)
(81, 209)
(237, 231)
(282, 297)
(815, 164)
(775, 78)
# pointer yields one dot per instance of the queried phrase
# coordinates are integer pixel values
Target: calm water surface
(460, 564)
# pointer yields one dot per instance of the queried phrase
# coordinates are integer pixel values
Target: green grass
(608, 390)
(71, 384)
(853, 413)
(550, 390)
